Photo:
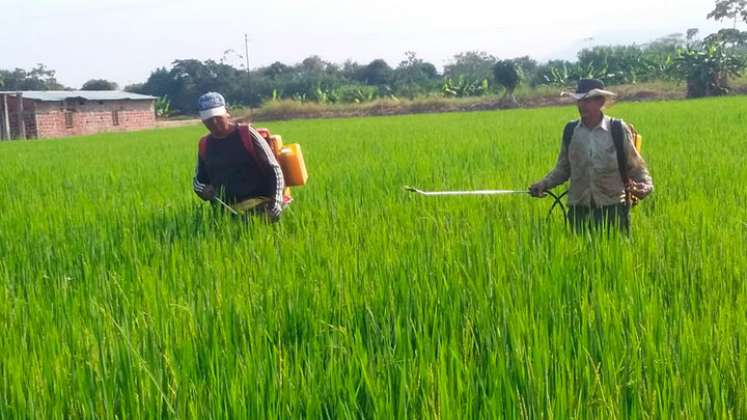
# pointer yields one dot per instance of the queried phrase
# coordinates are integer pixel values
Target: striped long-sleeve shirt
(237, 174)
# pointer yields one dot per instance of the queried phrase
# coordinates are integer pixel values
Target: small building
(50, 114)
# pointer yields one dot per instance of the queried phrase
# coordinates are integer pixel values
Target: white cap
(213, 112)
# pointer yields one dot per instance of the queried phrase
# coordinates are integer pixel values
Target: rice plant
(121, 294)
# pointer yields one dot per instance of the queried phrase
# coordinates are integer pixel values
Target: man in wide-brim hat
(603, 184)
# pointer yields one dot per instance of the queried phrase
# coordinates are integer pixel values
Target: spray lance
(226, 206)
(556, 198)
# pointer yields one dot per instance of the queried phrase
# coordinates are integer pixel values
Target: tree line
(705, 64)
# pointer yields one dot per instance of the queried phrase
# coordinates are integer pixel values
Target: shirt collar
(604, 124)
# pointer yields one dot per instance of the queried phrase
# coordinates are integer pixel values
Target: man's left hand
(638, 189)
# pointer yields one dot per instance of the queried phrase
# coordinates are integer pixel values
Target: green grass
(123, 295)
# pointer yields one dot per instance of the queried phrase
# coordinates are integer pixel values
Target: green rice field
(123, 295)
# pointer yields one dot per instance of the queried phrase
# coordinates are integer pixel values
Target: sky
(124, 40)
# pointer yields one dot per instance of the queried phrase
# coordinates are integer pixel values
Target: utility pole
(248, 73)
(246, 48)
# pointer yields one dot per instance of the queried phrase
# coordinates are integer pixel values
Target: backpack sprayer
(556, 198)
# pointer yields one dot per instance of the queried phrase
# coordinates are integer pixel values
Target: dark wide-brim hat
(589, 88)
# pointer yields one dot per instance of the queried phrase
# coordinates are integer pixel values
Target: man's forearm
(553, 179)
(200, 184)
(560, 173)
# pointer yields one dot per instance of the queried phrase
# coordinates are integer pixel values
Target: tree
(732, 38)
(99, 84)
(376, 73)
(528, 69)
(46, 76)
(729, 9)
(135, 88)
(275, 70)
(38, 78)
(471, 65)
(618, 64)
(159, 83)
(706, 66)
(670, 43)
(415, 77)
(507, 75)
(314, 64)
(351, 70)
(188, 79)
(692, 33)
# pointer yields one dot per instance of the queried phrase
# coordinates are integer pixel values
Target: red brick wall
(91, 117)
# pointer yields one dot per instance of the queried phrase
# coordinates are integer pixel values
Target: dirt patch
(290, 111)
(176, 123)
(641, 96)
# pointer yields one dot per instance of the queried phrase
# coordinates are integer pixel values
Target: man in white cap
(607, 174)
(235, 164)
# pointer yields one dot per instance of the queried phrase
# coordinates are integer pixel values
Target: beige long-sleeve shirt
(590, 162)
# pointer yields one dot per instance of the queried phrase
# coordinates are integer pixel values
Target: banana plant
(461, 87)
(163, 106)
(706, 68)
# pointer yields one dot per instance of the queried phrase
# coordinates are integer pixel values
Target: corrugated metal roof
(89, 95)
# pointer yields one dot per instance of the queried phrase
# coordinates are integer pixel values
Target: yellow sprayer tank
(637, 138)
(294, 168)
